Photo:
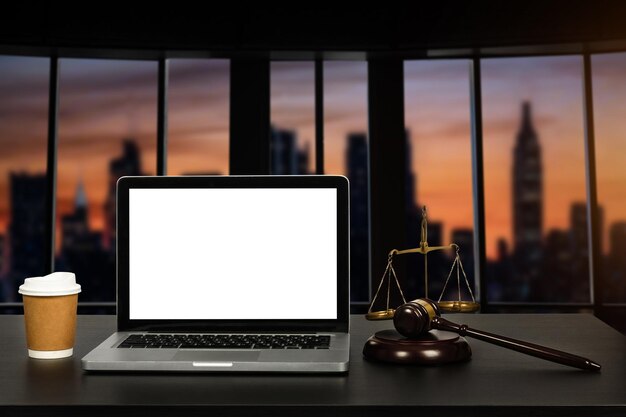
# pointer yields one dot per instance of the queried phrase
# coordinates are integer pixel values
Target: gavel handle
(531, 349)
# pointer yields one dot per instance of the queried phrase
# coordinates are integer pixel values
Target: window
(292, 136)
(198, 116)
(609, 94)
(346, 153)
(23, 135)
(534, 169)
(533, 160)
(439, 168)
(107, 129)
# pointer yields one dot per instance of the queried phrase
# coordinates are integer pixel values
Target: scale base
(434, 348)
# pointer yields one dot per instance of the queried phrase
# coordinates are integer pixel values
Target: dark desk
(496, 382)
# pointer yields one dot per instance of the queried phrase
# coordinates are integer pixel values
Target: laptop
(230, 274)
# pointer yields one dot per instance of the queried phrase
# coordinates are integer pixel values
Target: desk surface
(495, 382)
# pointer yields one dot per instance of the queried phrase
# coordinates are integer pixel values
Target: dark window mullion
(51, 166)
(387, 146)
(319, 116)
(163, 75)
(593, 219)
(249, 116)
(478, 180)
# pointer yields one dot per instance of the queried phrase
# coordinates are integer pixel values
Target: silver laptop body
(230, 274)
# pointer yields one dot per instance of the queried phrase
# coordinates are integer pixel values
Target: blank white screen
(233, 254)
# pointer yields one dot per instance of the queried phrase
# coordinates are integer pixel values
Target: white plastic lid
(56, 283)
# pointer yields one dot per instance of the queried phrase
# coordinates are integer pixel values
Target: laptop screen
(232, 253)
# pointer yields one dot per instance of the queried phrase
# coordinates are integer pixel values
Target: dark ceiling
(379, 27)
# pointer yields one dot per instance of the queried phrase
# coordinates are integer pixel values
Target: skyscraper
(3, 281)
(75, 225)
(617, 236)
(558, 283)
(82, 253)
(412, 205)
(465, 239)
(616, 271)
(2, 257)
(285, 157)
(26, 230)
(578, 226)
(579, 285)
(413, 284)
(527, 204)
(579, 282)
(356, 163)
(129, 163)
(438, 264)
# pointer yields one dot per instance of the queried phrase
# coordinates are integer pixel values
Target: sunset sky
(103, 102)
(553, 86)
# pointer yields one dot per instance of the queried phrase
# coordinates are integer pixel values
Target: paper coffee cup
(50, 304)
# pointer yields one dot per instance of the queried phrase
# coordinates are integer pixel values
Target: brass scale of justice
(429, 348)
(449, 306)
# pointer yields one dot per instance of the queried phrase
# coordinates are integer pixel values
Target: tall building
(617, 236)
(3, 252)
(75, 225)
(83, 254)
(412, 205)
(438, 264)
(465, 239)
(303, 160)
(559, 282)
(26, 228)
(356, 163)
(414, 282)
(527, 204)
(616, 264)
(435, 233)
(566, 260)
(285, 157)
(579, 275)
(578, 226)
(503, 250)
(129, 163)
(499, 272)
(3, 271)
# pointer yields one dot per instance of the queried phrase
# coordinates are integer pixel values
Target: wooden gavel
(417, 317)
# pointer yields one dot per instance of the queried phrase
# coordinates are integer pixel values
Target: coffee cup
(50, 304)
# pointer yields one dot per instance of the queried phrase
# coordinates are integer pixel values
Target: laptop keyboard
(224, 341)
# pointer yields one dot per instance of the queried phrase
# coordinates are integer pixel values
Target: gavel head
(414, 318)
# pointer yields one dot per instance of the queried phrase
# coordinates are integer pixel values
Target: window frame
(162, 56)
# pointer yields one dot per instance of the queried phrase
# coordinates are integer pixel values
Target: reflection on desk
(494, 383)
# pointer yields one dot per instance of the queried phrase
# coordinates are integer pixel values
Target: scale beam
(423, 250)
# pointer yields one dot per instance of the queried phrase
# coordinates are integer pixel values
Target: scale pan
(458, 306)
(380, 315)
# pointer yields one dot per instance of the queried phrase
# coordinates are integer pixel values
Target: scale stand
(448, 306)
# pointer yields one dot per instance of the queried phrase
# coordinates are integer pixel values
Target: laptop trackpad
(213, 356)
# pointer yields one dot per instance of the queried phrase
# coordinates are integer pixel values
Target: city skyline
(98, 122)
(567, 248)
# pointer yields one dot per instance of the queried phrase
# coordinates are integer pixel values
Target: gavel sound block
(433, 348)
(422, 347)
